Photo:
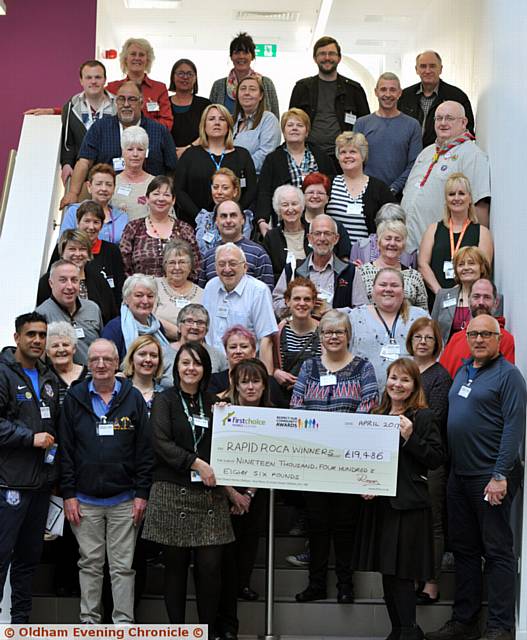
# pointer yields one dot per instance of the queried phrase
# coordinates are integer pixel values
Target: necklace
(175, 298)
(156, 233)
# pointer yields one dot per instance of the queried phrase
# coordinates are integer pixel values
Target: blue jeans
(476, 530)
(22, 524)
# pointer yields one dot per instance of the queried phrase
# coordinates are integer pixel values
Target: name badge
(51, 452)
(105, 428)
(448, 269)
(181, 302)
(243, 183)
(194, 476)
(111, 283)
(152, 106)
(391, 351)
(328, 379)
(354, 209)
(201, 421)
(45, 413)
(449, 302)
(465, 391)
(124, 190)
(79, 332)
(118, 164)
(208, 236)
(350, 118)
(222, 311)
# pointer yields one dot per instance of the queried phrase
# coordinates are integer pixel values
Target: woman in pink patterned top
(143, 241)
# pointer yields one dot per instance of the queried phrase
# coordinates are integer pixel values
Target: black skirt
(394, 542)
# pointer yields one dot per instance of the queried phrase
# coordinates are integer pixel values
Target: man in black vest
(422, 99)
(333, 278)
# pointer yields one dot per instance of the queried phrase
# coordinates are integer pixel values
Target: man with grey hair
(421, 100)
(394, 139)
(233, 297)
(65, 304)
(106, 466)
(454, 151)
(333, 278)
(485, 428)
(102, 142)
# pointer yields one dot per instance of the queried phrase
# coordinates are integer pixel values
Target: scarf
(442, 150)
(232, 82)
(132, 329)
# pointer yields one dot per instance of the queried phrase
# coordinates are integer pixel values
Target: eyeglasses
(322, 234)
(105, 359)
(485, 335)
(315, 193)
(338, 333)
(419, 338)
(232, 264)
(124, 99)
(185, 74)
(446, 118)
(190, 322)
(178, 263)
(329, 54)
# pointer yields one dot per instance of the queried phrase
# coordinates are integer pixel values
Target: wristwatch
(250, 493)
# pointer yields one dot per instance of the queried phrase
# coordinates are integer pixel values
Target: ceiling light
(152, 4)
(3, 9)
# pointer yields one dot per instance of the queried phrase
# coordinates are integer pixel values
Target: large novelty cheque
(305, 450)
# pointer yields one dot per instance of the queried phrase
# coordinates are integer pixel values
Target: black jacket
(422, 451)
(343, 280)
(275, 244)
(104, 466)
(21, 464)
(275, 172)
(350, 98)
(410, 103)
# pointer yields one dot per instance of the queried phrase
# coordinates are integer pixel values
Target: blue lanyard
(217, 164)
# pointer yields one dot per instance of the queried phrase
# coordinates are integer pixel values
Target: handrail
(10, 168)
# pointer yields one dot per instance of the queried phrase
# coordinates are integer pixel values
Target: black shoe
(497, 634)
(345, 595)
(229, 635)
(310, 594)
(454, 630)
(395, 634)
(411, 633)
(422, 597)
(247, 594)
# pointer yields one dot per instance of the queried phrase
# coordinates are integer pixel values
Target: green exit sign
(265, 50)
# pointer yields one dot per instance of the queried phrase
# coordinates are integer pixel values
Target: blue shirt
(100, 408)
(32, 374)
(102, 143)
(259, 141)
(110, 231)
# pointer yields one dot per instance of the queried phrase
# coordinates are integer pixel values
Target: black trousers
(330, 516)
(207, 578)
(399, 595)
(22, 522)
(476, 530)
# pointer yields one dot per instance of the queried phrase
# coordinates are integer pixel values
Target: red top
(153, 92)
(457, 349)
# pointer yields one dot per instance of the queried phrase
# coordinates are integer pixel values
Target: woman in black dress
(395, 534)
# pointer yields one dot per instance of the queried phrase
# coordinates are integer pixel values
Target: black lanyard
(390, 332)
(190, 418)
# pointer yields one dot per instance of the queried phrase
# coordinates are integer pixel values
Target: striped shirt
(348, 209)
(291, 344)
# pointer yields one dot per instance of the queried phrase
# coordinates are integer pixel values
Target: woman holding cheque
(335, 381)
(394, 535)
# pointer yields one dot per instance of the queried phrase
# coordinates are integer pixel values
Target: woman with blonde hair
(199, 162)
(136, 58)
(143, 364)
(458, 228)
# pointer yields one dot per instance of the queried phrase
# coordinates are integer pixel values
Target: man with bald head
(234, 297)
(421, 100)
(102, 143)
(454, 151)
(486, 422)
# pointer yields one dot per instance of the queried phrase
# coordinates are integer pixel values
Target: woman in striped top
(335, 381)
(355, 197)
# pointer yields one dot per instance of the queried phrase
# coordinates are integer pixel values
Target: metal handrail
(7, 185)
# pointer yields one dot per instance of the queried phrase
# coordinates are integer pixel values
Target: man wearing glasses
(333, 102)
(454, 151)
(106, 466)
(486, 422)
(421, 100)
(102, 142)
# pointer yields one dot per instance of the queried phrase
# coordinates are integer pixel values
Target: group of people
(200, 262)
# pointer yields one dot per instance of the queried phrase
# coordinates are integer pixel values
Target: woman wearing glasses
(335, 381)
(424, 343)
(187, 107)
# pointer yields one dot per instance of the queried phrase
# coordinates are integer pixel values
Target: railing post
(269, 575)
